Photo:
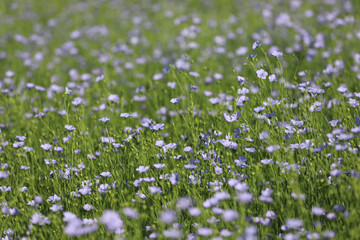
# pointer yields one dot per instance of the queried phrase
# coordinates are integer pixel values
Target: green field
(179, 119)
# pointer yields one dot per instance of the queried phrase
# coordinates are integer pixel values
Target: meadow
(193, 119)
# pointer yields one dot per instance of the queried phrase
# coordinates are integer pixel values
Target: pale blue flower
(261, 73)
(233, 117)
(113, 98)
(130, 212)
(46, 146)
(18, 144)
(173, 233)
(56, 208)
(159, 165)
(77, 101)
(218, 170)
(106, 174)
(112, 221)
(195, 212)
(70, 127)
(55, 198)
(104, 119)
(104, 188)
(39, 219)
(272, 78)
(277, 54)
(318, 211)
(88, 207)
(125, 115)
(174, 178)
(175, 100)
(256, 44)
(188, 149)
(77, 227)
(142, 169)
(205, 231)
(230, 215)
(100, 78)
(241, 80)
(168, 216)
(294, 223)
(155, 189)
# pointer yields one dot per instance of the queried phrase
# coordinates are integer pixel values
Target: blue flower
(195, 212)
(130, 212)
(54, 198)
(168, 216)
(267, 161)
(39, 219)
(56, 208)
(175, 100)
(252, 56)
(174, 178)
(159, 165)
(218, 170)
(155, 189)
(46, 146)
(88, 207)
(18, 144)
(58, 149)
(293, 223)
(230, 215)
(104, 188)
(77, 101)
(70, 127)
(261, 73)
(112, 221)
(241, 79)
(104, 119)
(172, 233)
(142, 169)
(272, 78)
(113, 98)
(252, 150)
(106, 174)
(204, 231)
(256, 44)
(194, 88)
(357, 120)
(188, 149)
(259, 109)
(157, 126)
(68, 91)
(232, 118)
(78, 227)
(20, 138)
(124, 115)
(277, 54)
(100, 78)
(228, 143)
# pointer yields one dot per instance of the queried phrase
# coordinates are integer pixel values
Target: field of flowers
(193, 119)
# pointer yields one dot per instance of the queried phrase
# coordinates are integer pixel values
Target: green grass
(162, 42)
